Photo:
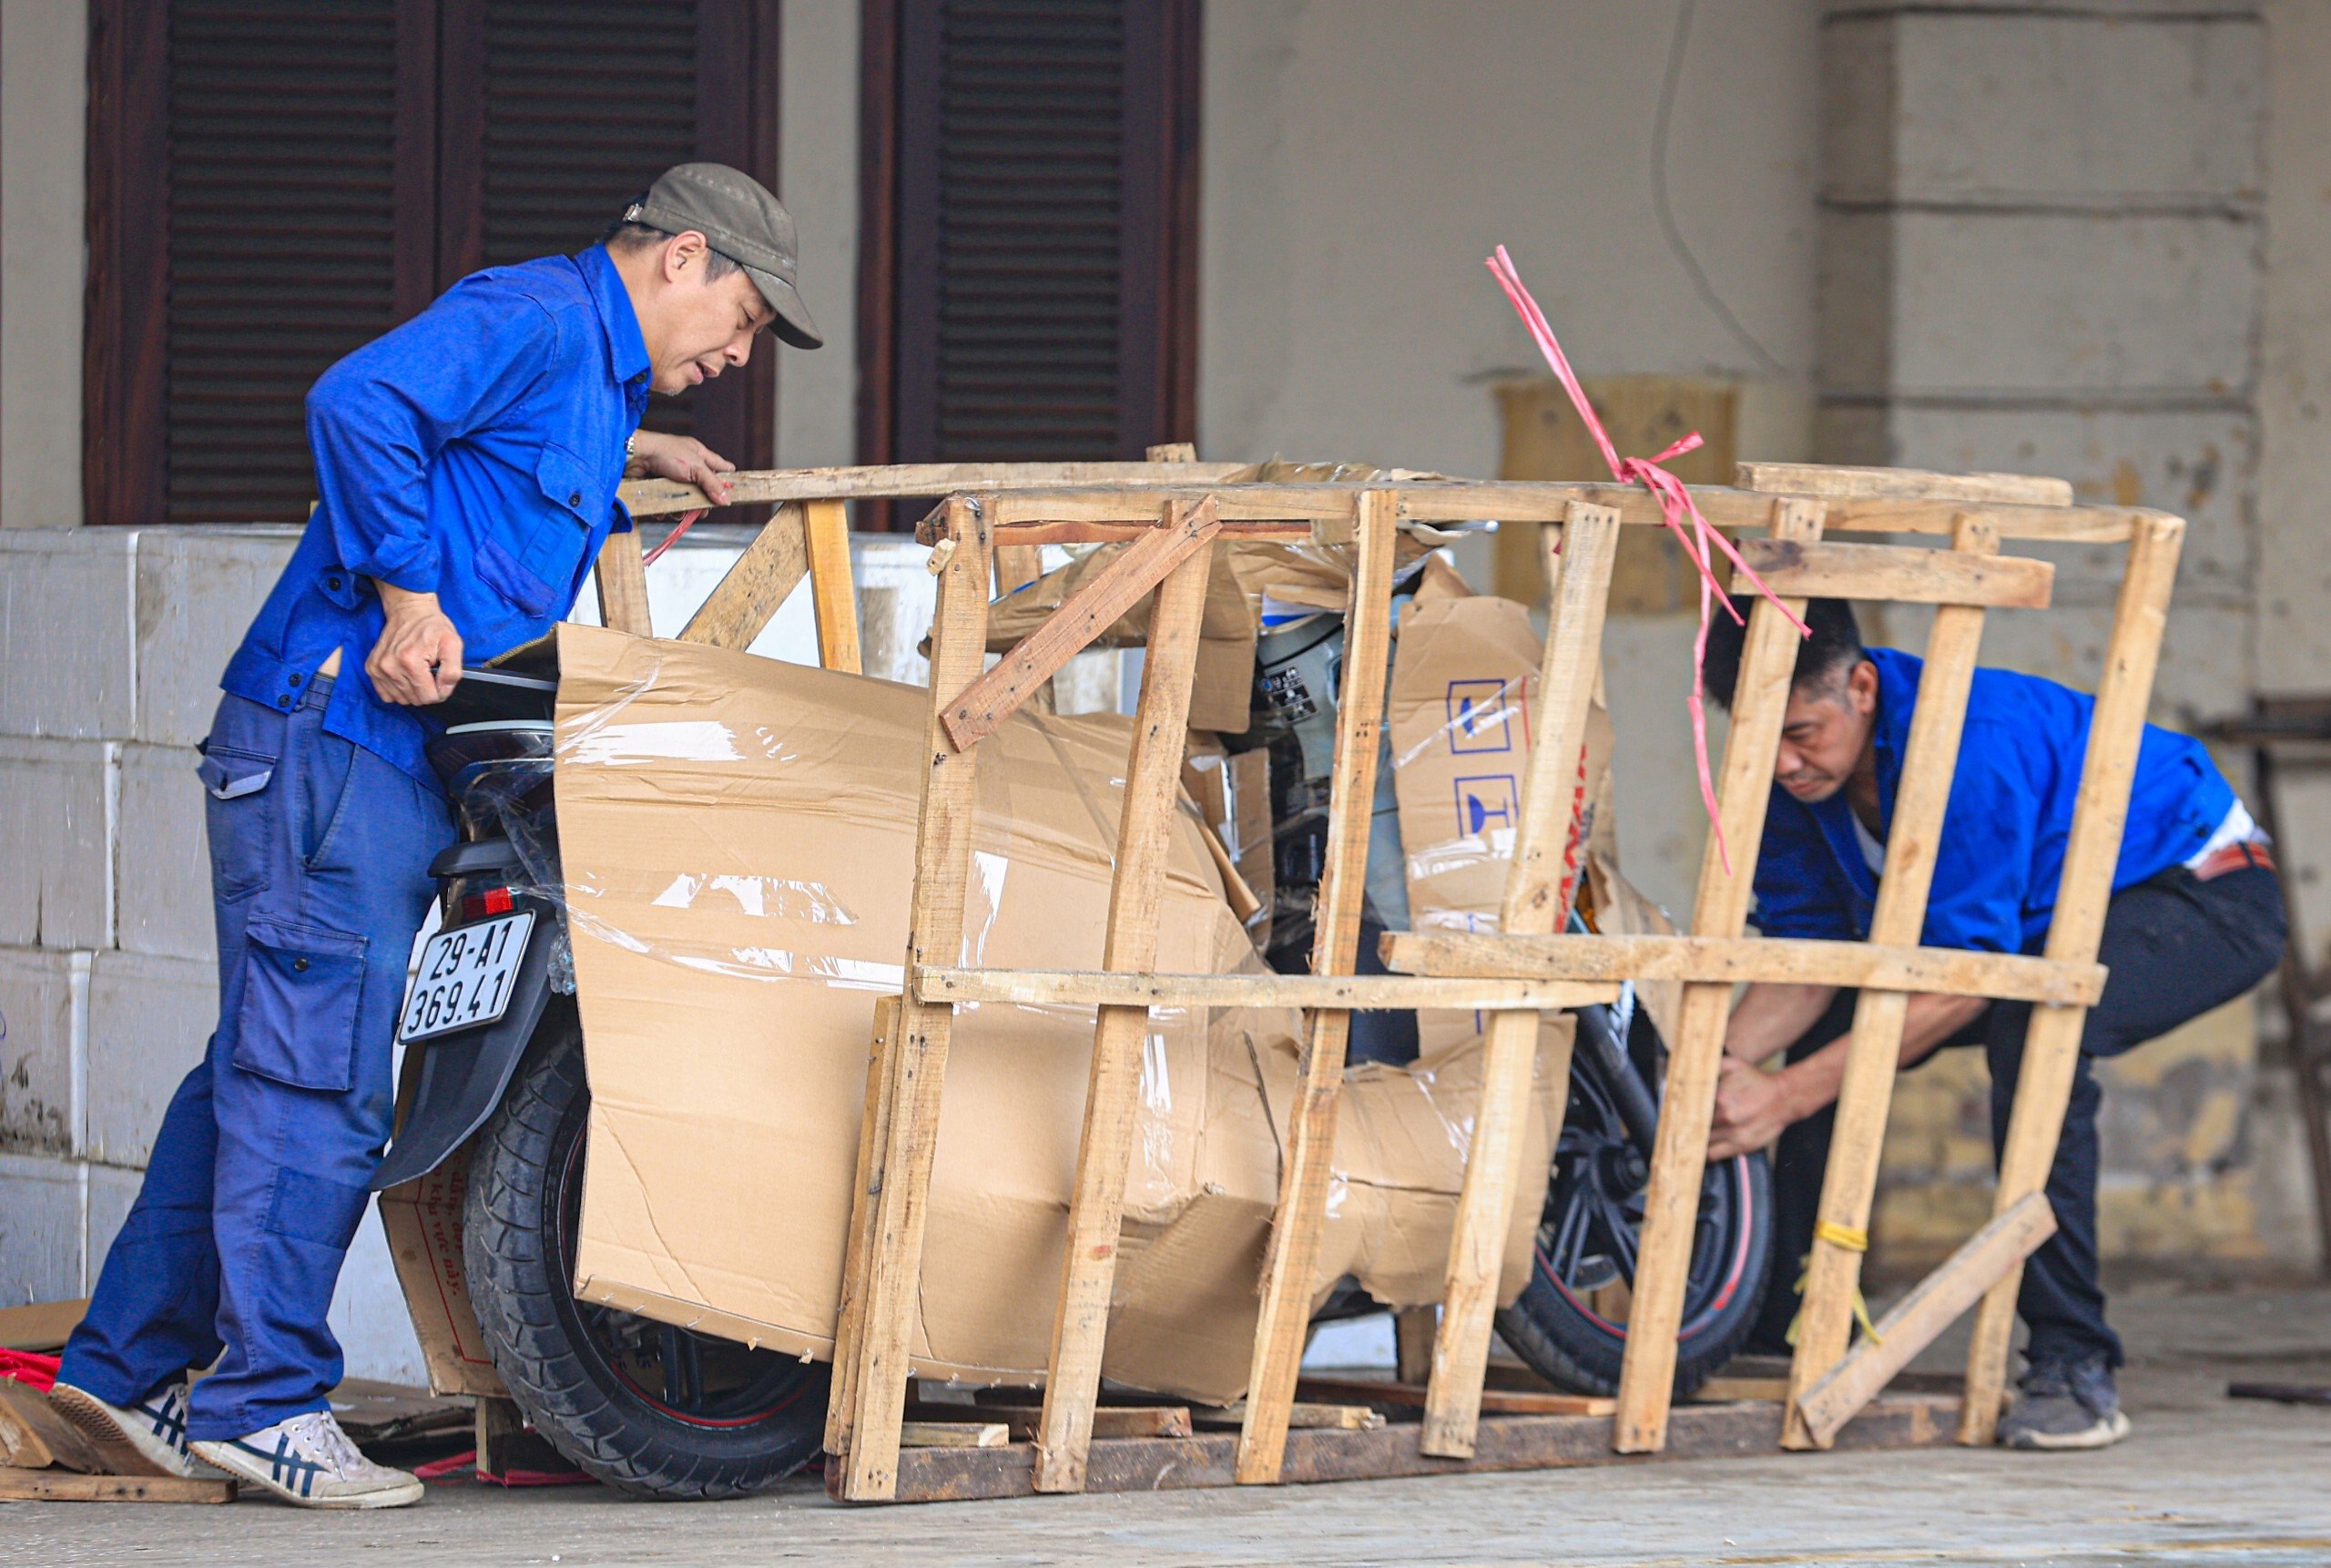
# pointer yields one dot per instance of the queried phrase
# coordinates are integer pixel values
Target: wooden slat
(1507, 1443)
(1494, 1402)
(622, 581)
(1302, 1413)
(873, 1132)
(833, 585)
(1823, 1408)
(744, 601)
(1874, 1048)
(1537, 889)
(1109, 1421)
(64, 1486)
(1790, 961)
(1113, 1090)
(914, 1065)
(953, 1434)
(2051, 1046)
(1672, 1204)
(992, 698)
(1899, 573)
(1835, 484)
(1307, 1170)
(42, 1325)
(655, 497)
(1412, 1335)
(1102, 988)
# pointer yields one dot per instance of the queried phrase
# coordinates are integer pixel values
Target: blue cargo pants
(320, 853)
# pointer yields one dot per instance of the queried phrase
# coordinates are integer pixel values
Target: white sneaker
(310, 1461)
(145, 1439)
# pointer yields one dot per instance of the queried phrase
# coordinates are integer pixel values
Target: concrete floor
(2203, 1481)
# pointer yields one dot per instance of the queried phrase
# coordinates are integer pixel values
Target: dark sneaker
(2065, 1405)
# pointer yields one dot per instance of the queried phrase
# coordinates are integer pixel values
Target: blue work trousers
(320, 853)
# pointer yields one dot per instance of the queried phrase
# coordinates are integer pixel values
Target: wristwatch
(631, 445)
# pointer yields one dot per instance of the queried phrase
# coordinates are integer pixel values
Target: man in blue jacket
(467, 464)
(2196, 920)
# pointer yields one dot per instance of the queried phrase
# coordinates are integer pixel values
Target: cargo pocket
(302, 986)
(240, 814)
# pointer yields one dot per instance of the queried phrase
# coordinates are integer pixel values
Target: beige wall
(43, 109)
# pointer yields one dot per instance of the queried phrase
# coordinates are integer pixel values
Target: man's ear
(684, 257)
(1861, 686)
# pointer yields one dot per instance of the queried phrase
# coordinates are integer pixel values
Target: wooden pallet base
(1505, 1442)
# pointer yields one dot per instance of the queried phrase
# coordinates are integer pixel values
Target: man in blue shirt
(467, 465)
(2196, 920)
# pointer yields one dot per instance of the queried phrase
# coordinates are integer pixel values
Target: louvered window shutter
(1044, 213)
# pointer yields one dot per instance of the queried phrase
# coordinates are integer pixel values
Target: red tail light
(492, 902)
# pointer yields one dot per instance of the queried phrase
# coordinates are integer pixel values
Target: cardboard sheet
(738, 840)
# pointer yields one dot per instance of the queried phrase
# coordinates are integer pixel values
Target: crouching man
(467, 464)
(2196, 920)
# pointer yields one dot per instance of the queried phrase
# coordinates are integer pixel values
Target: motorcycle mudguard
(463, 1076)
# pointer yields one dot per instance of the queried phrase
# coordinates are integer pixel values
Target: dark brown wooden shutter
(1041, 208)
(557, 112)
(282, 236)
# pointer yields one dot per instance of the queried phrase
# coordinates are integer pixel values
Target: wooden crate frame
(1524, 969)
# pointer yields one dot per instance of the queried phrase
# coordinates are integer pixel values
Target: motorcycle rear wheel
(646, 1408)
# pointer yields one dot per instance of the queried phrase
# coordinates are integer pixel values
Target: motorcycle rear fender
(463, 1077)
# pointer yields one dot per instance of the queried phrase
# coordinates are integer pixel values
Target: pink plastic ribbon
(687, 521)
(1675, 503)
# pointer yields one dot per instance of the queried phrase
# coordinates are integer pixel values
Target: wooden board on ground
(1500, 1444)
(1496, 1401)
(1301, 1413)
(64, 1486)
(34, 1436)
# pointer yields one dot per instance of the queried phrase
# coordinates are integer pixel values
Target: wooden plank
(1732, 960)
(907, 481)
(64, 1486)
(1899, 573)
(1727, 1390)
(992, 698)
(1103, 987)
(497, 1424)
(1836, 483)
(1768, 662)
(833, 585)
(1412, 1334)
(1293, 1251)
(872, 1131)
(1537, 896)
(746, 600)
(1821, 1408)
(914, 1063)
(953, 1434)
(1300, 1414)
(42, 1325)
(2051, 1046)
(1874, 1048)
(1506, 1443)
(1494, 1402)
(1113, 1090)
(33, 1434)
(621, 577)
(1109, 1421)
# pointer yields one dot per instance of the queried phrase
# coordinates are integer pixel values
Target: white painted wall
(1362, 157)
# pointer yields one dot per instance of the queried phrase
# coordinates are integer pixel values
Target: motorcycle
(659, 1410)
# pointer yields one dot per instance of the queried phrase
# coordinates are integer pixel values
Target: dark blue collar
(626, 350)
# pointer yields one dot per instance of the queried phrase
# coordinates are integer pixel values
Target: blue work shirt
(2005, 829)
(472, 453)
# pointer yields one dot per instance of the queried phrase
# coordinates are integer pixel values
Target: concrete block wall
(2042, 249)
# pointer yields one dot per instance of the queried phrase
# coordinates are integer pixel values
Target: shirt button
(295, 681)
(332, 582)
(282, 702)
(299, 965)
(575, 499)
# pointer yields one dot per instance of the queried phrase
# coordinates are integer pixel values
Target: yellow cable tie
(1851, 1240)
(1846, 1235)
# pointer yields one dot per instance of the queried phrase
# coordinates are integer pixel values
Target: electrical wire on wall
(1661, 124)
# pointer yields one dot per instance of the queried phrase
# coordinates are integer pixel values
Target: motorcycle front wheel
(647, 1408)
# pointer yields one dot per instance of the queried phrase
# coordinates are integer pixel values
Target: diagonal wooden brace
(743, 602)
(1092, 609)
(1989, 1256)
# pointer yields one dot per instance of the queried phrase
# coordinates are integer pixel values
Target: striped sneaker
(147, 1438)
(310, 1461)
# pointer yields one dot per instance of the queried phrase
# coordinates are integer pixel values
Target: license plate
(466, 977)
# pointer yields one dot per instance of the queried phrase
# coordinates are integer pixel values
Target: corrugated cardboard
(422, 1222)
(1464, 681)
(738, 839)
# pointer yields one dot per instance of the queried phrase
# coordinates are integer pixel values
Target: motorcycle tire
(645, 1406)
(1586, 1239)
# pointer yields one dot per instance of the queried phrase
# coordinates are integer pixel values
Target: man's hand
(1753, 1107)
(418, 660)
(682, 458)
